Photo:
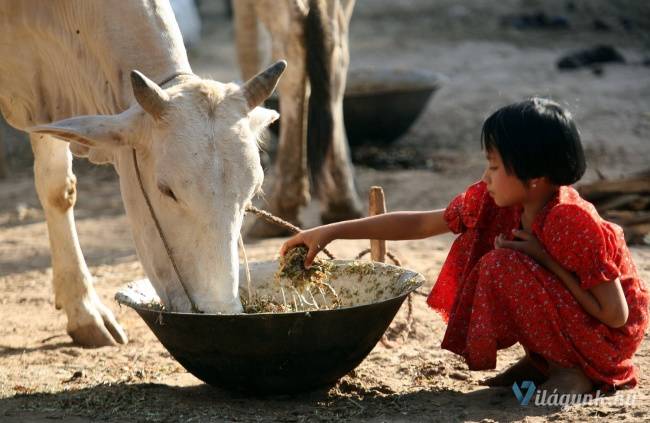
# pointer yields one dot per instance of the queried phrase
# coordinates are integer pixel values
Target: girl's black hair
(536, 138)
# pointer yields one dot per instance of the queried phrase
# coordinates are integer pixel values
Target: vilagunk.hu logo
(527, 390)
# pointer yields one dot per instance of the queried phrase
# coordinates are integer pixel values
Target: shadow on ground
(157, 402)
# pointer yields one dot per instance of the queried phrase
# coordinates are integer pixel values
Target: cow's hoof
(263, 229)
(92, 336)
(112, 325)
(96, 327)
(339, 213)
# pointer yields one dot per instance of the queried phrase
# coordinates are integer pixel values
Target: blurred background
(592, 56)
(492, 53)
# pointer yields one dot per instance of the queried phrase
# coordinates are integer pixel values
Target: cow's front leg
(90, 323)
(338, 196)
(291, 184)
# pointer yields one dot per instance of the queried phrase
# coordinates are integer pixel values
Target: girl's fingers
(522, 234)
(498, 241)
(513, 245)
(311, 254)
(288, 244)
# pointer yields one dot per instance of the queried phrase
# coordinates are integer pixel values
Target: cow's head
(197, 151)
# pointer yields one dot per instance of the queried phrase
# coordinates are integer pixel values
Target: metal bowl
(380, 105)
(274, 353)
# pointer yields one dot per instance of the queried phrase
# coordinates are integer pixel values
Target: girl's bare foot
(524, 369)
(567, 380)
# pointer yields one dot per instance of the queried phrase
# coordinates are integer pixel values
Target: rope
(280, 222)
(247, 268)
(390, 255)
(174, 76)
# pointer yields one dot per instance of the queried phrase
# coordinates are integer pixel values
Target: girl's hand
(315, 239)
(528, 245)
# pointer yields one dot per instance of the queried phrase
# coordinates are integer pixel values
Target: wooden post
(3, 160)
(377, 205)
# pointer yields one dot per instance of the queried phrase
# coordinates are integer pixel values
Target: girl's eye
(493, 167)
(166, 191)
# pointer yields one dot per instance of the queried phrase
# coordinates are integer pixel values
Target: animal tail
(320, 120)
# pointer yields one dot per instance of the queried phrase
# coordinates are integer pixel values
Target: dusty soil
(43, 376)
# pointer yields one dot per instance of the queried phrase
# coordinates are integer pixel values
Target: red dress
(493, 298)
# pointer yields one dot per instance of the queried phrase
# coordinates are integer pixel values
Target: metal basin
(380, 105)
(274, 353)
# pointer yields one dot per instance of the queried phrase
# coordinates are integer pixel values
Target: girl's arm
(606, 302)
(388, 226)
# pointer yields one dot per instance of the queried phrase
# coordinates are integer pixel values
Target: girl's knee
(502, 258)
(503, 265)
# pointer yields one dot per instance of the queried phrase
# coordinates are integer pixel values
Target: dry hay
(304, 285)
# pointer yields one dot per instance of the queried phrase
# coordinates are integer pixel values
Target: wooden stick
(601, 189)
(627, 217)
(377, 205)
(623, 201)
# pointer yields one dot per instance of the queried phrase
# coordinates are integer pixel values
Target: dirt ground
(44, 377)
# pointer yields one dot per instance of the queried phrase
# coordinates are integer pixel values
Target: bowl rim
(417, 280)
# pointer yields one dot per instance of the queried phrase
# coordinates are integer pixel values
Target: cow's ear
(260, 118)
(103, 131)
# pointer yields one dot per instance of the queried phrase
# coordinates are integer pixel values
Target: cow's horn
(259, 88)
(149, 95)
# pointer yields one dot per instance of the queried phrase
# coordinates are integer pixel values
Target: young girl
(534, 262)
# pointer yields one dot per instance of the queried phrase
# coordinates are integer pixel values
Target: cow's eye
(167, 191)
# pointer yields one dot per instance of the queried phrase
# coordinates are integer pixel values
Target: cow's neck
(75, 58)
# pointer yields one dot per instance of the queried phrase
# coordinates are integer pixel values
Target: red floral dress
(493, 298)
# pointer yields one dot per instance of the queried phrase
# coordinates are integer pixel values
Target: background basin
(284, 352)
(380, 105)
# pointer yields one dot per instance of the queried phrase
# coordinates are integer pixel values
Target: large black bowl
(273, 353)
(380, 105)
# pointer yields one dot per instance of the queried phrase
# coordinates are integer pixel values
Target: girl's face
(505, 188)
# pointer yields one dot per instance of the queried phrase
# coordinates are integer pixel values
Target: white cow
(313, 36)
(66, 74)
